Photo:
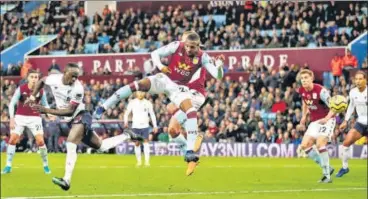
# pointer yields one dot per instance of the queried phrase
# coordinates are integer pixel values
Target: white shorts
(33, 123)
(197, 101)
(316, 130)
(161, 83)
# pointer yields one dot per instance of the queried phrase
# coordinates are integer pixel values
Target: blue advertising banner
(16, 53)
(242, 150)
(359, 48)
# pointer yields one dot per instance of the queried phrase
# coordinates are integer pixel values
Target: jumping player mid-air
(196, 87)
(69, 93)
(186, 59)
(358, 102)
(315, 104)
(24, 118)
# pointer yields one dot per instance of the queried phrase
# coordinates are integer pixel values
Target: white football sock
(138, 153)
(345, 157)
(43, 153)
(146, 150)
(10, 152)
(71, 159)
(113, 142)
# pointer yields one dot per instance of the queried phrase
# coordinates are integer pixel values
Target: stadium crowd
(258, 25)
(263, 108)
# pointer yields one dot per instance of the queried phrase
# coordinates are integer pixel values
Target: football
(338, 103)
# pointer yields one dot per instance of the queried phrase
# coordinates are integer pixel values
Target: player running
(358, 102)
(68, 93)
(24, 118)
(315, 103)
(186, 59)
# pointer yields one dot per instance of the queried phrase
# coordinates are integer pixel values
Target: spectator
(349, 62)
(336, 68)
(54, 68)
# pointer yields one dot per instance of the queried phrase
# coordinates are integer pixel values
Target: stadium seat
(58, 52)
(219, 19)
(91, 48)
(103, 39)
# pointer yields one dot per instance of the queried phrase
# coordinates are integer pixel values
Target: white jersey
(66, 94)
(358, 101)
(140, 109)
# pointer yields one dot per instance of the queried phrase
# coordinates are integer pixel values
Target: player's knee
(40, 142)
(186, 105)
(173, 132)
(171, 108)
(13, 140)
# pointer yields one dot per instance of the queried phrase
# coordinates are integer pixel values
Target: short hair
(305, 71)
(361, 73)
(185, 34)
(193, 37)
(32, 71)
(72, 65)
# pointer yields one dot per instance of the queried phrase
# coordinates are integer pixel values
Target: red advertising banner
(318, 59)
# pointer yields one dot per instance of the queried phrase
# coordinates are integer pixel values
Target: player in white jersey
(68, 93)
(358, 102)
(140, 108)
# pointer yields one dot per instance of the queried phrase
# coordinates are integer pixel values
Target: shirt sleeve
(14, 102)
(127, 112)
(215, 69)
(50, 79)
(77, 95)
(325, 95)
(153, 116)
(44, 100)
(351, 107)
(164, 51)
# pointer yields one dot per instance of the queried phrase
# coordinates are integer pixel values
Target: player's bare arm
(305, 112)
(60, 112)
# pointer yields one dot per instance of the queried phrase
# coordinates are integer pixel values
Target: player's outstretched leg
(75, 136)
(10, 152)
(352, 136)
(43, 152)
(122, 93)
(325, 159)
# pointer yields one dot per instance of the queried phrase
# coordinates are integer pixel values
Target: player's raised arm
(215, 69)
(164, 51)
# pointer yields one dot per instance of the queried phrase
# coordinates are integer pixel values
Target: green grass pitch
(114, 176)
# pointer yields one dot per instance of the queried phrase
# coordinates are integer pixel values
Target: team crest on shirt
(195, 60)
(314, 95)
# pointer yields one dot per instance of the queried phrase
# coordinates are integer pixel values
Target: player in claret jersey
(24, 118)
(322, 122)
(358, 102)
(186, 59)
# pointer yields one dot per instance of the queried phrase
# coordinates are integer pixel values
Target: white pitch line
(181, 166)
(194, 193)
